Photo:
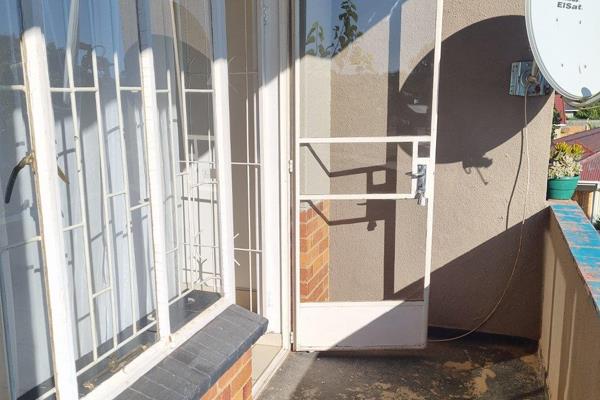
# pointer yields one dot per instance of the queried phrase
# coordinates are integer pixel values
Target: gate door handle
(25, 161)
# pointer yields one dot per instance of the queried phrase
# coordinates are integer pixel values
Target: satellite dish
(564, 38)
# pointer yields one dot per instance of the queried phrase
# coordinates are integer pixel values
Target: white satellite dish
(564, 37)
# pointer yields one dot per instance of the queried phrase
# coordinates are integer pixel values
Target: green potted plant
(563, 170)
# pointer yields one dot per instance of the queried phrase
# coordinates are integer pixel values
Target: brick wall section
(314, 252)
(236, 383)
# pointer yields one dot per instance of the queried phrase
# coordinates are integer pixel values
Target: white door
(366, 77)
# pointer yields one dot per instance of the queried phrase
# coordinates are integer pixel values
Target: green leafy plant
(591, 112)
(564, 160)
(596, 223)
(348, 32)
(316, 38)
(344, 34)
(555, 123)
(555, 117)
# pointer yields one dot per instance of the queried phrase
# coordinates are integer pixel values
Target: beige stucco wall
(377, 247)
(569, 345)
(479, 200)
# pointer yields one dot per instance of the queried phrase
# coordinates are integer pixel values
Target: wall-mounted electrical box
(519, 81)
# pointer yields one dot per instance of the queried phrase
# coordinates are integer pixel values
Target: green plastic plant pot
(562, 188)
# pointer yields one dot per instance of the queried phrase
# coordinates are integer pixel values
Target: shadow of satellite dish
(476, 113)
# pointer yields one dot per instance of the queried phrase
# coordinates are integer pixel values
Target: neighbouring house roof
(591, 169)
(590, 163)
(568, 107)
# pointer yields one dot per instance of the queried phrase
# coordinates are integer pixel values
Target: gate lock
(421, 177)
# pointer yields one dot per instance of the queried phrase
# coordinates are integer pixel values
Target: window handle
(25, 161)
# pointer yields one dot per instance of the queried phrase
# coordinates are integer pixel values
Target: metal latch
(421, 177)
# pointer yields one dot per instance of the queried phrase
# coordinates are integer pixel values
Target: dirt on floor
(477, 367)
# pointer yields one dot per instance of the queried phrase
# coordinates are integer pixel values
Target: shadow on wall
(476, 116)
(405, 321)
(467, 288)
(467, 303)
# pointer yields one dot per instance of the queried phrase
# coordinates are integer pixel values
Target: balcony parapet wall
(584, 244)
(570, 338)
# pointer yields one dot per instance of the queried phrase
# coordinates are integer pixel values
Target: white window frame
(275, 128)
(37, 86)
(271, 40)
(268, 97)
(43, 135)
(285, 174)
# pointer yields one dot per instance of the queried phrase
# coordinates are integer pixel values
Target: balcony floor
(477, 367)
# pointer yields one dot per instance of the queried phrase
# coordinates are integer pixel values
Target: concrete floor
(478, 367)
(264, 352)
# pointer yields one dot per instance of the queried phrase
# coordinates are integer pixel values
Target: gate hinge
(291, 166)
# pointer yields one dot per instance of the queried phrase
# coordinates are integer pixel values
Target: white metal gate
(366, 82)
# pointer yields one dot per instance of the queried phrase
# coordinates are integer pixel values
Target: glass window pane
(93, 57)
(101, 29)
(11, 67)
(194, 31)
(25, 320)
(26, 363)
(242, 43)
(183, 59)
(135, 148)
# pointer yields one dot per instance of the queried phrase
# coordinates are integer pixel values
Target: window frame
(43, 137)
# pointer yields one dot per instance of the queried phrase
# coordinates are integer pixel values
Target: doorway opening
(251, 124)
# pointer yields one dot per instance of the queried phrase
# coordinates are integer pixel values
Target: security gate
(366, 79)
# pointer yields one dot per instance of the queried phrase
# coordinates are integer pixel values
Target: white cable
(521, 235)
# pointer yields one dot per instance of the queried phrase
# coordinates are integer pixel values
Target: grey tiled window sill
(192, 369)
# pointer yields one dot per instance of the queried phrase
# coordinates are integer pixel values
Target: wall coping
(584, 244)
(194, 367)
